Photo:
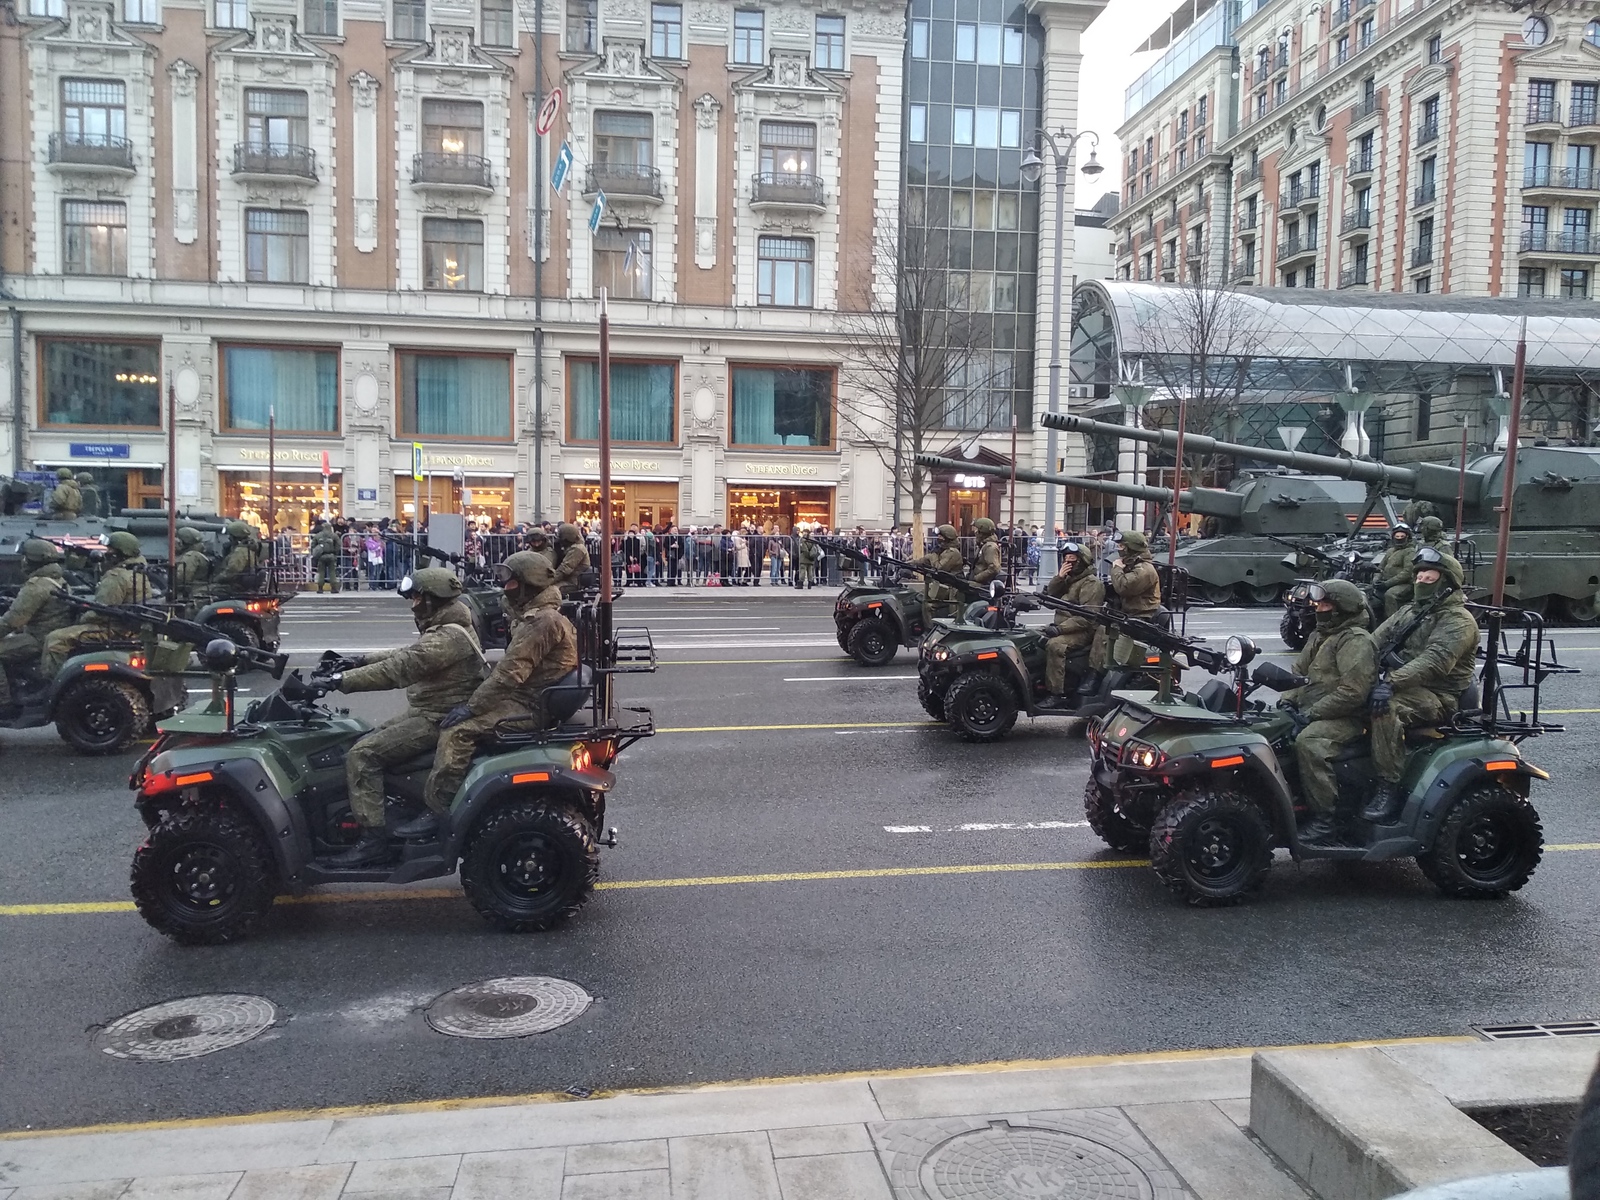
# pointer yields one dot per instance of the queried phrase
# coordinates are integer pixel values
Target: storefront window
(455, 396)
(641, 504)
(102, 383)
(300, 386)
(643, 402)
(299, 498)
(484, 498)
(784, 509)
(782, 407)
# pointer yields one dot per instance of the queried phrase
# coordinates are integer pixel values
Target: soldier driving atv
(1340, 662)
(40, 608)
(571, 560)
(122, 582)
(543, 649)
(987, 565)
(1428, 651)
(1138, 590)
(1077, 583)
(939, 599)
(439, 671)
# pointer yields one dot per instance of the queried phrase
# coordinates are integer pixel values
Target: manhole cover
(508, 1008)
(1018, 1162)
(186, 1028)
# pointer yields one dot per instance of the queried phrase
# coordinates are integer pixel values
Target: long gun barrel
(1147, 633)
(474, 573)
(960, 582)
(1210, 502)
(1301, 548)
(1427, 481)
(177, 629)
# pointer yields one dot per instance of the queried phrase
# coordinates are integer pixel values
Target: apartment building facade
(339, 215)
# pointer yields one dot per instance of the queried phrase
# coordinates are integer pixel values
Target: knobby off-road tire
(980, 707)
(1211, 848)
(1488, 844)
(1116, 828)
(932, 702)
(1293, 635)
(872, 643)
(102, 716)
(236, 631)
(203, 876)
(530, 865)
(842, 636)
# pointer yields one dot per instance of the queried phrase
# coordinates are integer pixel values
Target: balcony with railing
(1426, 193)
(1249, 176)
(91, 152)
(1249, 223)
(1428, 132)
(783, 189)
(623, 179)
(460, 172)
(1543, 111)
(1359, 165)
(1244, 270)
(1584, 117)
(1561, 179)
(1368, 106)
(1353, 277)
(1292, 249)
(1356, 223)
(1422, 254)
(274, 160)
(1578, 242)
(1298, 196)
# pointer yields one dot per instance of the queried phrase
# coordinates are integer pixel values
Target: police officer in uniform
(66, 501)
(940, 599)
(1436, 642)
(90, 494)
(1341, 663)
(122, 582)
(571, 558)
(440, 670)
(192, 571)
(543, 649)
(1077, 583)
(40, 608)
(987, 566)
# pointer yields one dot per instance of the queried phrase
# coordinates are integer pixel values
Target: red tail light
(172, 781)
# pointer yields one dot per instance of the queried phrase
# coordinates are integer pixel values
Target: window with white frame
(47, 8)
(784, 272)
(141, 12)
(274, 120)
(94, 238)
(410, 21)
(322, 17)
(452, 255)
(749, 35)
(230, 14)
(583, 21)
(499, 23)
(94, 112)
(622, 263)
(917, 123)
(277, 246)
(788, 148)
(666, 30)
(919, 39)
(829, 54)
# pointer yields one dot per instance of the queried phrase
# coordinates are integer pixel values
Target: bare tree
(916, 356)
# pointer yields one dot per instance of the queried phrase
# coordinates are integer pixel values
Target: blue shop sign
(99, 449)
(366, 494)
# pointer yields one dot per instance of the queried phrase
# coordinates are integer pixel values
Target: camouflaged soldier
(940, 599)
(192, 572)
(237, 573)
(542, 650)
(66, 500)
(1075, 582)
(571, 559)
(90, 494)
(987, 565)
(1137, 589)
(39, 609)
(440, 670)
(123, 581)
(1340, 661)
(1394, 570)
(1436, 642)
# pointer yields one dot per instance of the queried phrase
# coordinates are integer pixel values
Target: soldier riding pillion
(40, 608)
(123, 581)
(1076, 583)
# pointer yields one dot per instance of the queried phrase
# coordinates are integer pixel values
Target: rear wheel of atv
(842, 636)
(236, 631)
(1489, 843)
(102, 716)
(980, 707)
(1211, 848)
(1292, 632)
(872, 643)
(1217, 593)
(932, 702)
(529, 866)
(203, 877)
(1116, 828)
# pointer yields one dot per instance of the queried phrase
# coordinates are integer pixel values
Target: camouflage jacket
(41, 604)
(1137, 585)
(1440, 654)
(1342, 665)
(440, 670)
(1083, 588)
(543, 648)
(988, 565)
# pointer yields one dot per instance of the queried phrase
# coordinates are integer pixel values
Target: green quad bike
(105, 697)
(979, 676)
(874, 618)
(1208, 782)
(242, 811)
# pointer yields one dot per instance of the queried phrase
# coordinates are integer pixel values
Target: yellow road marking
(1074, 1062)
(824, 725)
(1576, 846)
(1564, 711)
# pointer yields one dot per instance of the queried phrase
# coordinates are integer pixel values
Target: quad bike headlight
(1239, 651)
(1142, 756)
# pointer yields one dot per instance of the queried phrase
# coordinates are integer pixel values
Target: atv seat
(562, 700)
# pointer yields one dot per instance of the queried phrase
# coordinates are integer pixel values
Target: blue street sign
(99, 449)
(364, 494)
(563, 164)
(598, 211)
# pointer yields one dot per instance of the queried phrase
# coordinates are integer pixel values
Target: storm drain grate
(1553, 1029)
(508, 1008)
(186, 1028)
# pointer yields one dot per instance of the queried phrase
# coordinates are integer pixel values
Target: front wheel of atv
(1489, 843)
(872, 643)
(932, 702)
(1211, 848)
(980, 707)
(1116, 828)
(102, 716)
(236, 631)
(530, 865)
(203, 877)
(1293, 633)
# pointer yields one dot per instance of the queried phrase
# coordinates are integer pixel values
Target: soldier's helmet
(85, 477)
(983, 526)
(1429, 559)
(568, 534)
(36, 552)
(1133, 540)
(1078, 551)
(431, 581)
(123, 544)
(1346, 596)
(190, 536)
(238, 531)
(1430, 528)
(948, 533)
(1401, 532)
(527, 568)
(63, 473)
(537, 537)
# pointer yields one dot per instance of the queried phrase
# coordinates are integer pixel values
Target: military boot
(424, 826)
(1091, 683)
(373, 847)
(1385, 805)
(1318, 831)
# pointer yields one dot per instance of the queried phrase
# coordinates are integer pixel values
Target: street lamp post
(1062, 146)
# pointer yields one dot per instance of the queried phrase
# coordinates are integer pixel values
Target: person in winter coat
(1075, 582)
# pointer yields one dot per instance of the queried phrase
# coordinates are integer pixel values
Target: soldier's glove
(455, 716)
(1301, 719)
(1382, 694)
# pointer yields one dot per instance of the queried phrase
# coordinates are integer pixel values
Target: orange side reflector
(97, 666)
(989, 654)
(187, 780)
(225, 611)
(1152, 658)
(876, 604)
(1504, 764)
(1236, 761)
(532, 777)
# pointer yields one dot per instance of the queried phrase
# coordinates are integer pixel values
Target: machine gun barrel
(1300, 548)
(960, 582)
(471, 569)
(177, 629)
(1210, 502)
(1145, 632)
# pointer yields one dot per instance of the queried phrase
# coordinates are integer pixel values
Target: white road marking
(845, 678)
(986, 826)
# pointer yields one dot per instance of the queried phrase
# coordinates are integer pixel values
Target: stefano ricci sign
(782, 470)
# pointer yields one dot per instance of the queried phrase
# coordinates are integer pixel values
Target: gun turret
(177, 629)
(1208, 502)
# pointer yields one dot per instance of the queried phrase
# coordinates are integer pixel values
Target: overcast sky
(1109, 66)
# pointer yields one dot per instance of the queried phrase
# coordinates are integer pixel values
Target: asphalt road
(776, 756)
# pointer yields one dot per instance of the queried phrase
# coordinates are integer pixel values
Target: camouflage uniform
(543, 648)
(439, 671)
(66, 500)
(326, 545)
(193, 569)
(124, 582)
(1138, 591)
(940, 599)
(1075, 582)
(1394, 573)
(39, 609)
(90, 494)
(1341, 662)
(572, 560)
(237, 572)
(987, 566)
(807, 555)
